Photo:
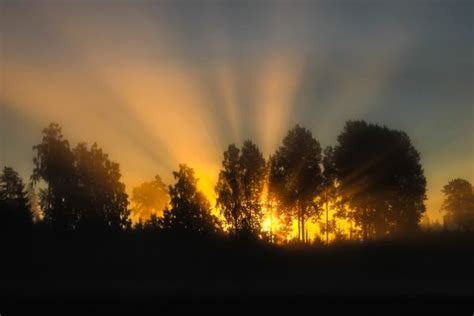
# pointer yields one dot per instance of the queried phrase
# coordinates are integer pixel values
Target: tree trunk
(299, 226)
(365, 226)
(302, 229)
(302, 224)
(327, 220)
(271, 223)
(350, 229)
(364, 231)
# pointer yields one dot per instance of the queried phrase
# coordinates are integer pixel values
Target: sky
(162, 83)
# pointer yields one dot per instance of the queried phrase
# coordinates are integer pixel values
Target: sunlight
(209, 155)
(270, 223)
(278, 82)
(156, 95)
(206, 182)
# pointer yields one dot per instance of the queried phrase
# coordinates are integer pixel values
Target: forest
(73, 221)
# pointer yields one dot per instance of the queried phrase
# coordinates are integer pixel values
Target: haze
(157, 84)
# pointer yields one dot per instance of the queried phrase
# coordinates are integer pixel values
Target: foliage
(459, 204)
(372, 178)
(229, 189)
(15, 211)
(100, 199)
(381, 178)
(239, 188)
(83, 188)
(329, 187)
(54, 165)
(189, 211)
(295, 175)
(150, 198)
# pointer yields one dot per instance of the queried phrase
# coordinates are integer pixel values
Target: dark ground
(135, 273)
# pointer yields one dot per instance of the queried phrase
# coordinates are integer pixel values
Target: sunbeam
(177, 86)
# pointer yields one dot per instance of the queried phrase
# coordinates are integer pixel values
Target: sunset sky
(158, 84)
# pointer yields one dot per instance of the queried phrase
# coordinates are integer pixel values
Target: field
(121, 273)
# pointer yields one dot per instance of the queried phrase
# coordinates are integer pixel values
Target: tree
(239, 188)
(252, 165)
(381, 178)
(459, 204)
(333, 227)
(15, 214)
(100, 200)
(229, 190)
(82, 187)
(189, 209)
(295, 176)
(15, 222)
(329, 184)
(150, 198)
(54, 166)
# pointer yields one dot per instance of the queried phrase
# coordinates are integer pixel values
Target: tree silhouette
(252, 166)
(381, 178)
(150, 198)
(15, 214)
(295, 175)
(83, 188)
(329, 185)
(459, 204)
(189, 211)
(154, 224)
(54, 165)
(100, 199)
(229, 190)
(333, 227)
(239, 188)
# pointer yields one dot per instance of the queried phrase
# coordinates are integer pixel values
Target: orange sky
(174, 86)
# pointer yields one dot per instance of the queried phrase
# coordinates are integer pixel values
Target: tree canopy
(100, 198)
(372, 178)
(189, 211)
(381, 178)
(239, 188)
(15, 211)
(329, 188)
(54, 166)
(459, 204)
(150, 198)
(82, 188)
(295, 175)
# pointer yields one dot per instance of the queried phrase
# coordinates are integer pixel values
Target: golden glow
(153, 104)
(278, 82)
(271, 224)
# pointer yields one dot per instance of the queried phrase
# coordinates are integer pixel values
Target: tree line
(372, 178)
